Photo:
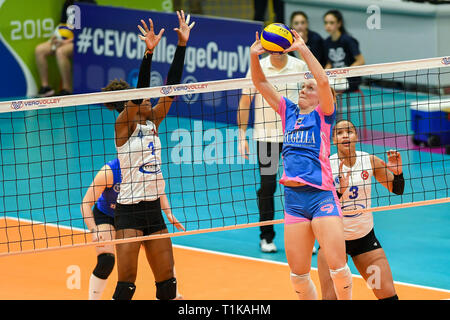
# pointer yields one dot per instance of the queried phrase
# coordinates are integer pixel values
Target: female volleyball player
(311, 206)
(138, 208)
(353, 171)
(97, 208)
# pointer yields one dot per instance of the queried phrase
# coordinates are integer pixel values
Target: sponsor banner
(44, 102)
(108, 47)
(24, 25)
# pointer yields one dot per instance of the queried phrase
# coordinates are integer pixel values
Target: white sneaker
(267, 247)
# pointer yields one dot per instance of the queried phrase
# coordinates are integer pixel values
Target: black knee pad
(390, 298)
(105, 265)
(166, 290)
(124, 291)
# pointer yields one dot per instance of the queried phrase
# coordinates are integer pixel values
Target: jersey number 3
(354, 191)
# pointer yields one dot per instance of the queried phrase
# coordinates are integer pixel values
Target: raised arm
(124, 127)
(265, 88)
(390, 175)
(104, 179)
(161, 109)
(326, 99)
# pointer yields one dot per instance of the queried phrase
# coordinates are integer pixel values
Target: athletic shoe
(46, 92)
(314, 250)
(267, 247)
(64, 92)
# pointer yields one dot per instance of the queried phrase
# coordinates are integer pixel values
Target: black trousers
(260, 7)
(268, 161)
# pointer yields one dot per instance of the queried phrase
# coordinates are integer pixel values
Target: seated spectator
(299, 22)
(62, 49)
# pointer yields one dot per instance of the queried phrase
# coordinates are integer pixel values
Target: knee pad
(390, 298)
(124, 291)
(342, 273)
(303, 286)
(105, 265)
(166, 290)
(342, 280)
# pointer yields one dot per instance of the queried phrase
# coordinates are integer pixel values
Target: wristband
(398, 185)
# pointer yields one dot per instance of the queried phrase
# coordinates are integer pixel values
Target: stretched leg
(278, 8)
(299, 241)
(42, 52)
(160, 257)
(326, 283)
(105, 263)
(268, 160)
(374, 268)
(127, 263)
(260, 9)
(329, 231)
(63, 56)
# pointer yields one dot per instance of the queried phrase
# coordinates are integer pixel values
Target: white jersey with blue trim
(140, 165)
(357, 196)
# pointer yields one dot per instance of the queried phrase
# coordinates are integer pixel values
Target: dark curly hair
(115, 85)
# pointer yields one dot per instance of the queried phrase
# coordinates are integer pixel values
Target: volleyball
(276, 37)
(63, 32)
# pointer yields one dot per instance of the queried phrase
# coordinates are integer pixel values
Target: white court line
(285, 264)
(226, 254)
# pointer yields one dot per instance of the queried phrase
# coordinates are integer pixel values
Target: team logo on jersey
(116, 187)
(364, 175)
(298, 123)
(336, 180)
(150, 168)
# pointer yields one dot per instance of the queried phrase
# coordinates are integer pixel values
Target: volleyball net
(52, 148)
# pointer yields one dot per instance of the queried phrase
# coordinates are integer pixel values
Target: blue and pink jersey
(306, 145)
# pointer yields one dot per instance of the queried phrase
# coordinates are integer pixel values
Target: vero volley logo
(446, 60)
(150, 168)
(16, 105)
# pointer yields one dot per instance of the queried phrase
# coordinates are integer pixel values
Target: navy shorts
(145, 216)
(102, 218)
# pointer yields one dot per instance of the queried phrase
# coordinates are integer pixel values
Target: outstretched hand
(394, 162)
(173, 220)
(184, 29)
(296, 44)
(257, 47)
(148, 35)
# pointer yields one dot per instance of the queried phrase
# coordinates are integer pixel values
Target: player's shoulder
(366, 159)
(334, 157)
